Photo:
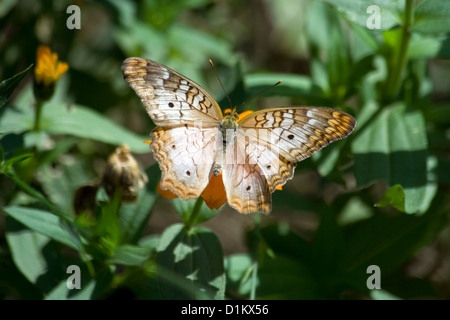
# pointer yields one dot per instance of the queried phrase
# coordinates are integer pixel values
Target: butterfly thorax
(229, 122)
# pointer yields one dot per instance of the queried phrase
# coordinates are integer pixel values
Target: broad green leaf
(362, 42)
(83, 122)
(431, 17)
(422, 47)
(392, 147)
(9, 85)
(77, 121)
(43, 222)
(35, 255)
(196, 256)
(362, 11)
(395, 195)
(26, 246)
(129, 255)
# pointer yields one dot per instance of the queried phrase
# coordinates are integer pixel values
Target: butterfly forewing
(184, 143)
(298, 132)
(169, 97)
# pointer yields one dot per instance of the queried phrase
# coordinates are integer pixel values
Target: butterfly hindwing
(185, 155)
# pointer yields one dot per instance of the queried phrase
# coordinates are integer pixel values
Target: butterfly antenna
(221, 84)
(261, 92)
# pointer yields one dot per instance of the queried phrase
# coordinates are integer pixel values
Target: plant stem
(30, 191)
(395, 80)
(37, 115)
(194, 214)
(255, 257)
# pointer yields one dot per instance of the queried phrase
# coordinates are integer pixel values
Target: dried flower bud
(123, 172)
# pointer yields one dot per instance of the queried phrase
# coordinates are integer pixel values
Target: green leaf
(9, 85)
(26, 246)
(392, 147)
(35, 255)
(43, 222)
(393, 196)
(357, 12)
(431, 17)
(197, 258)
(77, 121)
(129, 255)
(422, 47)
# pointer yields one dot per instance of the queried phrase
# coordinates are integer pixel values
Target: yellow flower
(214, 194)
(48, 69)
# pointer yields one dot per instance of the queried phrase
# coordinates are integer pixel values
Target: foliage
(379, 197)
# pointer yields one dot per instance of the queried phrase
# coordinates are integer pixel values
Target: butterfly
(193, 139)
